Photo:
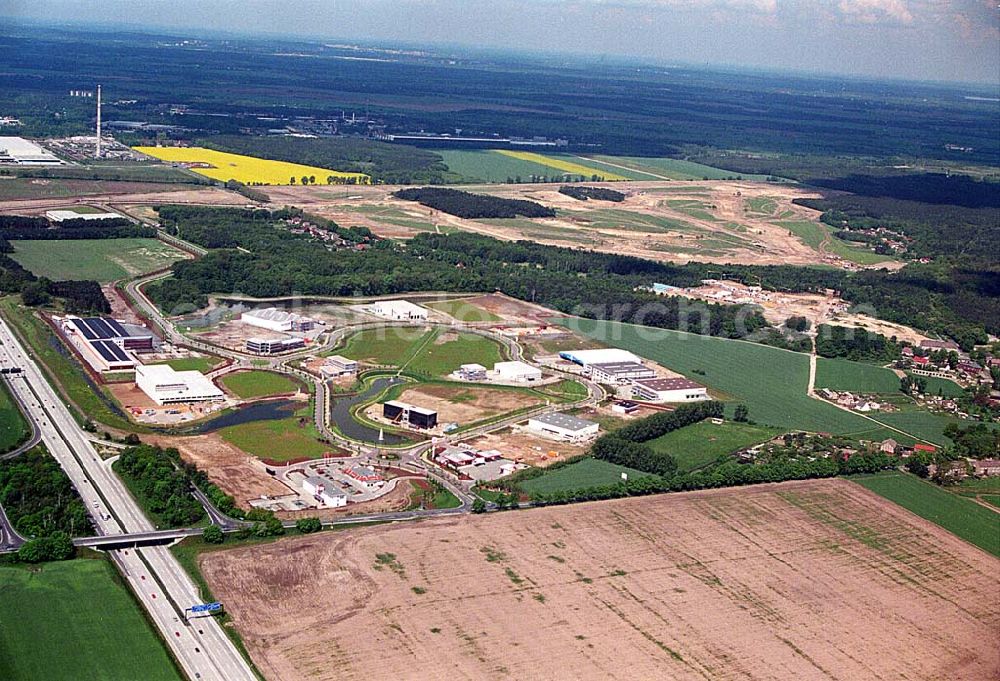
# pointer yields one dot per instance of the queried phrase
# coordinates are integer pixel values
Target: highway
(202, 649)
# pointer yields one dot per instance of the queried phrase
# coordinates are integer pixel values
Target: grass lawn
(770, 381)
(202, 364)
(922, 423)
(582, 474)
(842, 374)
(942, 386)
(13, 428)
(61, 370)
(102, 260)
(484, 165)
(74, 620)
(464, 311)
(445, 352)
(387, 346)
(672, 168)
(813, 234)
(565, 389)
(257, 383)
(280, 439)
(702, 443)
(963, 517)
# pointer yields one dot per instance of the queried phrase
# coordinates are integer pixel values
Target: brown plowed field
(805, 580)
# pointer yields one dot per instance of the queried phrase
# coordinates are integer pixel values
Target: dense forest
(596, 193)
(855, 344)
(385, 163)
(473, 206)
(39, 498)
(156, 477)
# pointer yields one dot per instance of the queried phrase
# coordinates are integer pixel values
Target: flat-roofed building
(417, 417)
(273, 346)
(61, 215)
(164, 385)
(520, 372)
(327, 493)
(472, 372)
(668, 390)
(337, 365)
(563, 427)
(620, 373)
(106, 344)
(22, 152)
(277, 320)
(586, 358)
(366, 475)
(400, 310)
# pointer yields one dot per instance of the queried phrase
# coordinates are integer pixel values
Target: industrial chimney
(98, 121)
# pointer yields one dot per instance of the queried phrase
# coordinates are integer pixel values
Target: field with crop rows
(569, 165)
(102, 260)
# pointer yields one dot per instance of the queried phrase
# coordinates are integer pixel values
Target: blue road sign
(206, 607)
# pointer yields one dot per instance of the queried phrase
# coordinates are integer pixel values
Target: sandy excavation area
(709, 221)
(801, 580)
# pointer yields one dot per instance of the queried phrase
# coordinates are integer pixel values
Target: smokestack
(98, 121)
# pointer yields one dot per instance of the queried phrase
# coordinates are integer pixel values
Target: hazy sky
(956, 40)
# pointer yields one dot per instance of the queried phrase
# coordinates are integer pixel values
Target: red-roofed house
(921, 447)
(922, 361)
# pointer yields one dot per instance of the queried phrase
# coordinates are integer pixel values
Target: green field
(965, 518)
(433, 353)
(484, 165)
(202, 364)
(702, 443)
(257, 383)
(842, 374)
(770, 381)
(13, 428)
(581, 474)
(388, 346)
(644, 168)
(102, 260)
(464, 311)
(280, 439)
(444, 353)
(74, 620)
(813, 234)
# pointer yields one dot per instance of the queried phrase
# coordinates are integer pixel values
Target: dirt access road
(801, 580)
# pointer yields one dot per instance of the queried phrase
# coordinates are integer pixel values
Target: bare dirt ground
(711, 221)
(129, 194)
(888, 329)
(225, 465)
(802, 580)
(526, 448)
(513, 311)
(475, 403)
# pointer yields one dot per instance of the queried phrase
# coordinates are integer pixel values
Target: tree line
(155, 475)
(473, 206)
(596, 193)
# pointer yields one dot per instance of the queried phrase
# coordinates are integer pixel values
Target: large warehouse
(400, 310)
(516, 371)
(21, 152)
(668, 390)
(563, 427)
(273, 346)
(60, 215)
(164, 385)
(277, 320)
(587, 358)
(103, 342)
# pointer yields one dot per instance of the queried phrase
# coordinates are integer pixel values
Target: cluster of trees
(855, 344)
(109, 228)
(797, 323)
(626, 446)
(976, 441)
(248, 191)
(473, 206)
(385, 163)
(56, 546)
(39, 498)
(729, 474)
(596, 193)
(912, 384)
(155, 475)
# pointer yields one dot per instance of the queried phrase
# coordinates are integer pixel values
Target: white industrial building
(21, 152)
(620, 373)
(563, 427)
(587, 358)
(105, 343)
(164, 385)
(337, 366)
(400, 310)
(60, 215)
(324, 491)
(668, 390)
(471, 372)
(277, 320)
(517, 372)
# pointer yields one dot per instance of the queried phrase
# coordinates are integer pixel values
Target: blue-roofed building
(106, 344)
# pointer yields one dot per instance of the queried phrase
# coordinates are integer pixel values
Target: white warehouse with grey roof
(563, 427)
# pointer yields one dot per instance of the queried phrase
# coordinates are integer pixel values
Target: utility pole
(98, 121)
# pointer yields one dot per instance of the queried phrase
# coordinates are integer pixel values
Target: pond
(271, 410)
(340, 414)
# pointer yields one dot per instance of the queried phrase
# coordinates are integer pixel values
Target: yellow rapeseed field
(248, 169)
(560, 164)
